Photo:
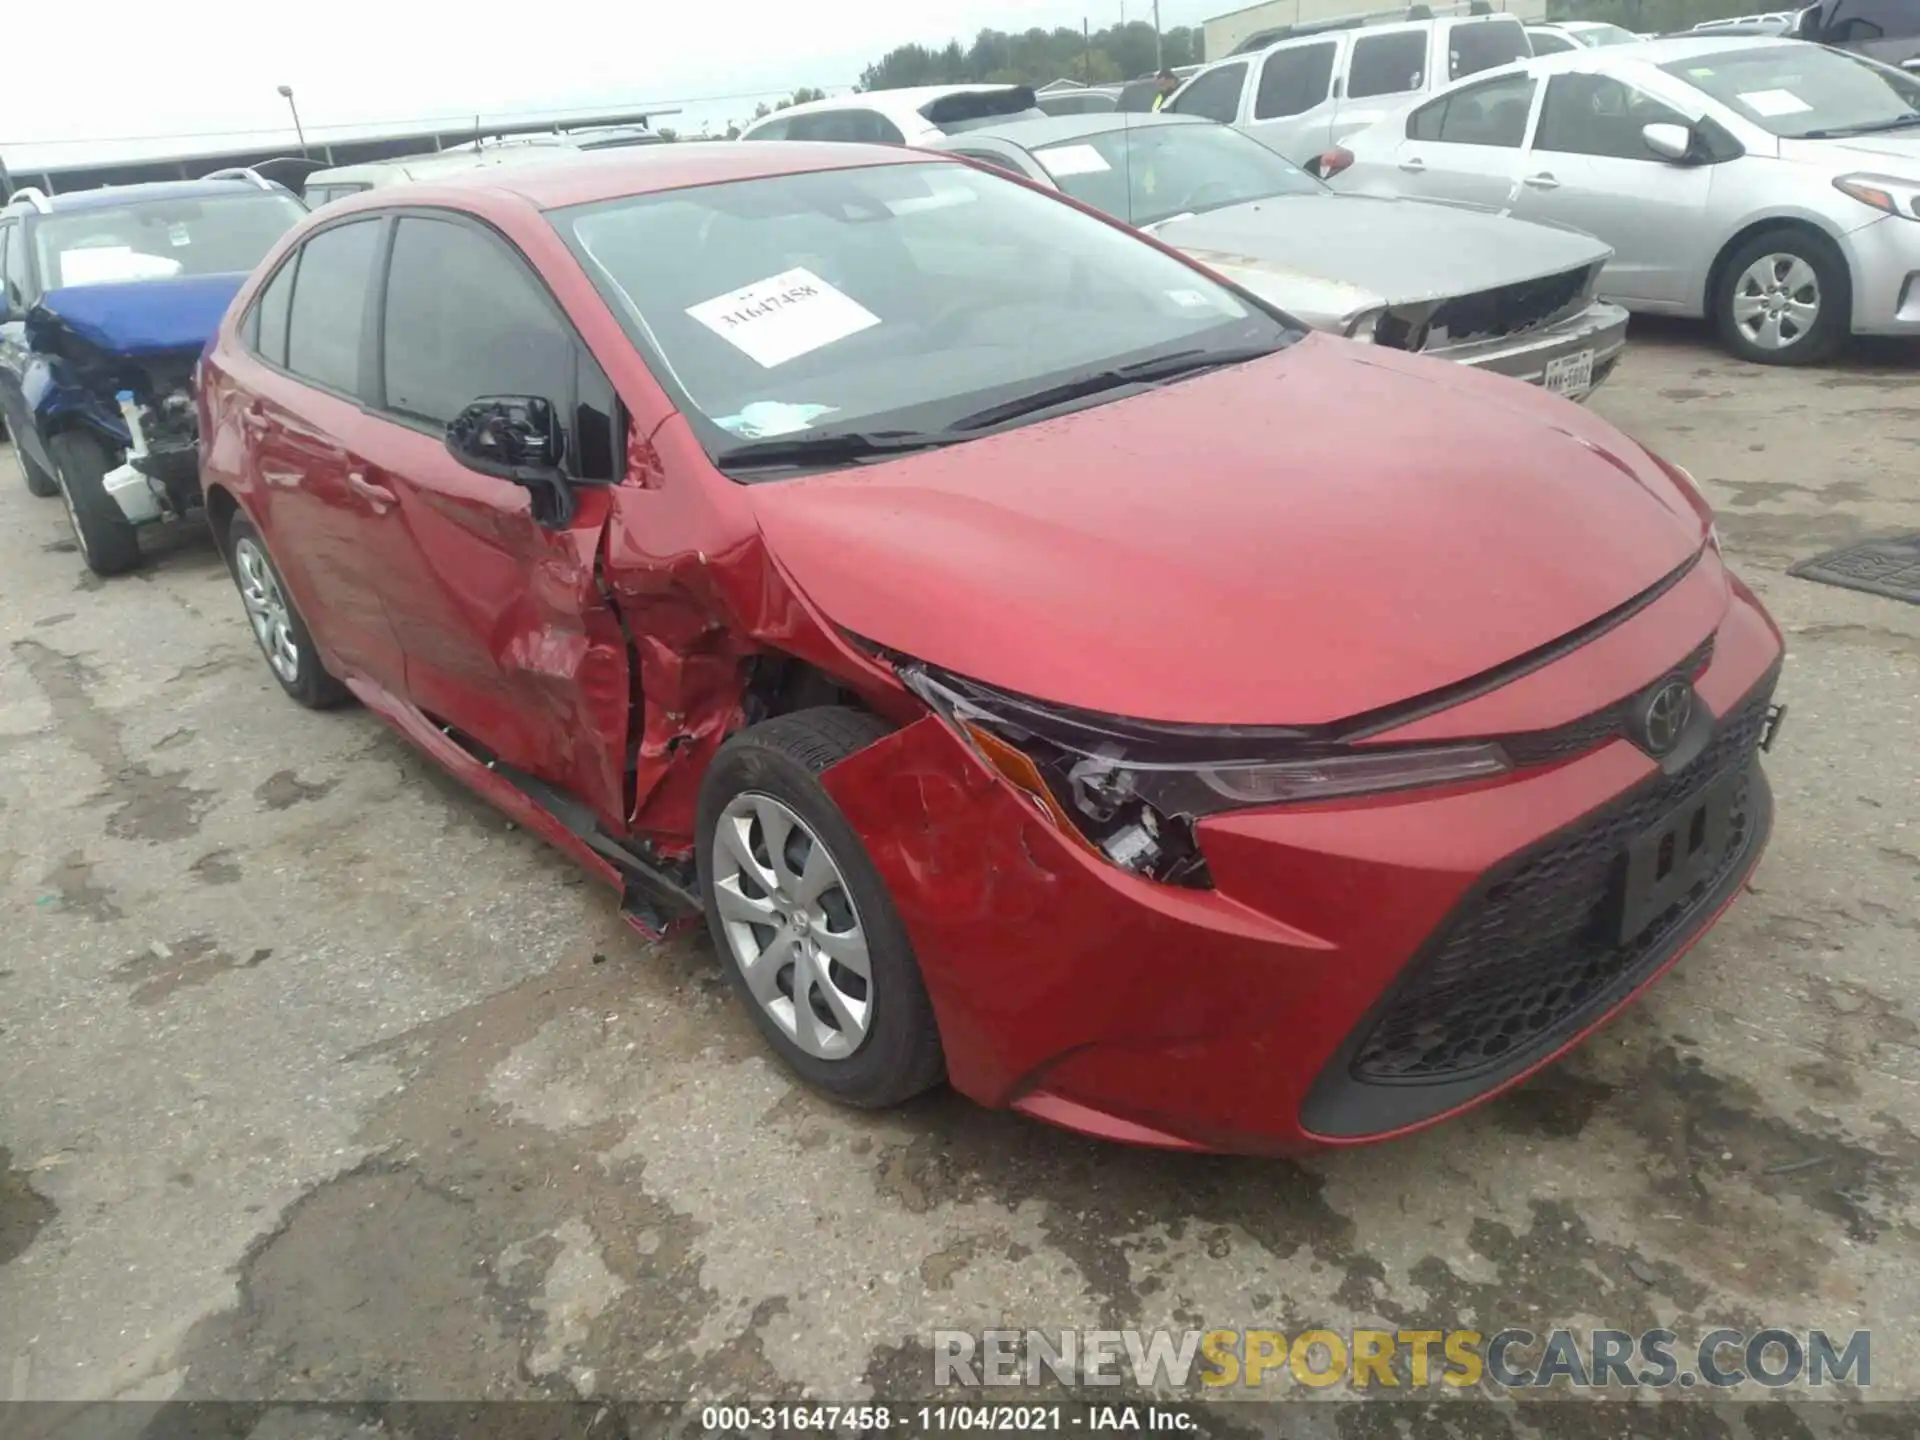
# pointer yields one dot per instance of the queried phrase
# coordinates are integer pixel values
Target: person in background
(1168, 82)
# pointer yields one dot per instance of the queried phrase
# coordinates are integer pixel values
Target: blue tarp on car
(144, 317)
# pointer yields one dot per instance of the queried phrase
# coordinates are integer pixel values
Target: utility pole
(1086, 33)
(1159, 59)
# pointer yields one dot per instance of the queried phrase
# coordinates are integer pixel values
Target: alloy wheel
(1776, 301)
(267, 610)
(791, 925)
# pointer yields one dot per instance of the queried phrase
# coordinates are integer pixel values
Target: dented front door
(501, 619)
(506, 633)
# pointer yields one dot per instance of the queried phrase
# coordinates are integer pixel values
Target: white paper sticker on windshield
(178, 235)
(1774, 102)
(108, 264)
(1190, 299)
(765, 418)
(779, 319)
(1065, 160)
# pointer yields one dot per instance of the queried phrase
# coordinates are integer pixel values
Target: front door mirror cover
(519, 438)
(1669, 141)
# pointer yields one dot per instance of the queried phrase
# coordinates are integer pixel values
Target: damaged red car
(1044, 665)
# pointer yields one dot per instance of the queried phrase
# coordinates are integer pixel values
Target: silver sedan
(1771, 185)
(1496, 294)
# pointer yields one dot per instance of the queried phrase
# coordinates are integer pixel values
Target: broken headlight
(1132, 789)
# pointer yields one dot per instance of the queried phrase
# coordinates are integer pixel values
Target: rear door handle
(1542, 181)
(378, 496)
(1413, 166)
(252, 421)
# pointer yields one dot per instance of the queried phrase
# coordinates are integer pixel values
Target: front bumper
(1229, 1019)
(1598, 333)
(1883, 259)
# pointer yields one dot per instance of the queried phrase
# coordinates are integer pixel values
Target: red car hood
(1293, 541)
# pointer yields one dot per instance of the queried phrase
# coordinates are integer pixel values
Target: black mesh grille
(1540, 747)
(1509, 309)
(1534, 950)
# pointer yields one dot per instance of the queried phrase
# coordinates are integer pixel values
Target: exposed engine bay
(149, 397)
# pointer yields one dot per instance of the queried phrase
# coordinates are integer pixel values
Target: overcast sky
(142, 69)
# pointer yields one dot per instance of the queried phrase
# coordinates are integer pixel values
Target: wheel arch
(222, 506)
(1800, 221)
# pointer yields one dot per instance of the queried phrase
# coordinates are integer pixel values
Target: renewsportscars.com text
(1511, 1359)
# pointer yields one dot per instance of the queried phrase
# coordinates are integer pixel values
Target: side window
(267, 326)
(1387, 64)
(599, 450)
(876, 129)
(1856, 22)
(1476, 45)
(18, 278)
(1294, 80)
(1214, 95)
(466, 318)
(329, 302)
(1597, 115)
(773, 130)
(1491, 114)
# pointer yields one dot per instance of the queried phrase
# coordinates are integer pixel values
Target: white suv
(910, 116)
(1302, 95)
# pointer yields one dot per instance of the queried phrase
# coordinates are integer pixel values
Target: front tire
(107, 540)
(284, 638)
(1784, 298)
(38, 482)
(803, 921)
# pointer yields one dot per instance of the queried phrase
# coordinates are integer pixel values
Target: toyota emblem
(1664, 717)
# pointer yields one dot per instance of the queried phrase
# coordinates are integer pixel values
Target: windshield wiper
(1871, 127)
(1156, 371)
(841, 447)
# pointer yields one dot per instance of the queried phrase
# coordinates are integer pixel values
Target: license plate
(1571, 374)
(1674, 855)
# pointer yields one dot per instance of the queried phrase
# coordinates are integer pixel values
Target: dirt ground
(318, 1080)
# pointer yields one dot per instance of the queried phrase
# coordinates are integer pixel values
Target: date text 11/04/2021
(943, 1418)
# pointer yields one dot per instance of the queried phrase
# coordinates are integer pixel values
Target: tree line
(1035, 57)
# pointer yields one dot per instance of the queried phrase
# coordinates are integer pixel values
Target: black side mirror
(517, 438)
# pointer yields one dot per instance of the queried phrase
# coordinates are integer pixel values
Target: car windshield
(889, 298)
(160, 239)
(1802, 90)
(1147, 173)
(1601, 34)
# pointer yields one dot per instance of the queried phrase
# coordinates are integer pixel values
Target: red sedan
(1044, 665)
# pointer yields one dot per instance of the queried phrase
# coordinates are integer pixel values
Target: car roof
(585, 177)
(1033, 134)
(905, 101)
(454, 158)
(108, 196)
(1679, 47)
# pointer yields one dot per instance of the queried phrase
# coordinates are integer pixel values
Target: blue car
(110, 295)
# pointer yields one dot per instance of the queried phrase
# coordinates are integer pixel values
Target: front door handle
(378, 496)
(1413, 166)
(1542, 181)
